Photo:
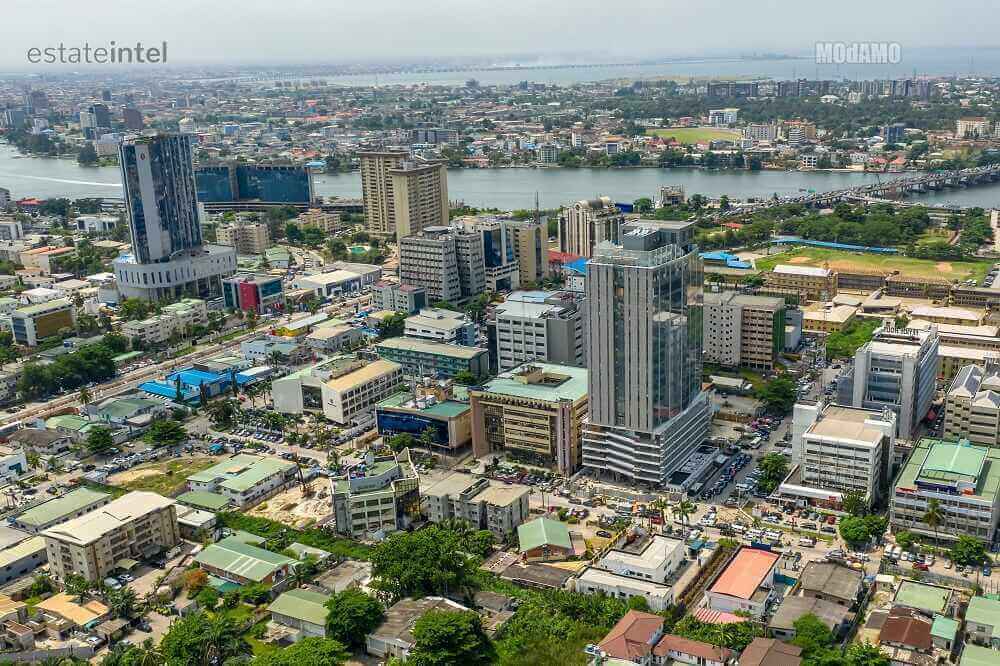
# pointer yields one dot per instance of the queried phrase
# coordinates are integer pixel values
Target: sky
(334, 31)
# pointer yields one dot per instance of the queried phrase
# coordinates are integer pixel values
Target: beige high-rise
(247, 238)
(587, 223)
(402, 197)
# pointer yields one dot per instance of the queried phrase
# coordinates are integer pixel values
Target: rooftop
(510, 383)
(445, 409)
(93, 525)
(770, 652)
(363, 375)
(979, 466)
(28, 547)
(832, 579)
(204, 499)
(748, 570)
(402, 615)
(792, 608)
(435, 348)
(656, 551)
(42, 308)
(543, 531)
(633, 636)
(975, 655)
(812, 271)
(71, 502)
(848, 423)
(984, 611)
(241, 472)
(304, 605)
(921, 596)
(67, 606)
(242, 560)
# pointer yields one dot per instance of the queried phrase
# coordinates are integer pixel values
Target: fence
(32, 656)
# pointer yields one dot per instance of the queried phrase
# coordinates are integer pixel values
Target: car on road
(604, 534)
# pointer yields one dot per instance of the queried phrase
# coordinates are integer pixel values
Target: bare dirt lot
(291, 508)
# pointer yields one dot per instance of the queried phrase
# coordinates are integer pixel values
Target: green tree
(87, 155)
(643, 205)
(122, 602)
(445, 638)
(934, 515)
(77, 585)
(99, 440)
(968, 551)
(208, 598)
(221, 412)
(427, 562)
(812, 636)
(351, 615)
(778, 394)
(393, 325)
(132, 309)
(403, 440)
(866, 654)
(202, 639)
(684, 509)
(774, 468)
(854, 503)
(465, 378)
(310, 651)
(165, 432)
(905, 539)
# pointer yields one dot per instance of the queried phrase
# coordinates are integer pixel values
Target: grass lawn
(937, 234)
(843, 344)
(690, 135)
(168, 477)
(841, 260)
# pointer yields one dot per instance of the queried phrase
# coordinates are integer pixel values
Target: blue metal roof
(578, 266)
(167, 390)
(192, 377)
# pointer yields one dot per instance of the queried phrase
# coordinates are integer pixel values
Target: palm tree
(84, 396)
(934, 516)
(684, 509)
(146, 654)
(122, 602)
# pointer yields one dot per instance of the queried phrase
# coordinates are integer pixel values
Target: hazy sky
(309, 31)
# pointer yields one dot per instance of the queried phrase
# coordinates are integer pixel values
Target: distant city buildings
(266, 183)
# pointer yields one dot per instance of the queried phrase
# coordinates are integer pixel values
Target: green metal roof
(67, 422)
(73, 501)
(953, 461)
(303, 551)
(944, 627)
(574, 388)
(242, 472)
(922, 597)
(433, 348)
(47, 306)
(126, 407)
(304, 605)
(974, 655)
(543, 531)
(202, 499)
(984, 611)
(448, 409)
(986, 478)
(242, 560)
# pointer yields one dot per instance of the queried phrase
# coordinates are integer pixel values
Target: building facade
(260, 293)
(422, 358)
(33, 323)
(587, 223)
(379, 495)
(647, 412)
(402, 197)
(246, 237)
(344, 389)
(487, 506)
(744, 330)
(537, 326)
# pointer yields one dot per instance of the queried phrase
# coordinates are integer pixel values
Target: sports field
(839, 260)
(690, 135)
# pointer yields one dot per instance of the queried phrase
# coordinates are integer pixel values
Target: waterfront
(500, 188)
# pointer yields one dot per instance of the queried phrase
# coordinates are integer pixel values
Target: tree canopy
(444, 638)
(351, 615)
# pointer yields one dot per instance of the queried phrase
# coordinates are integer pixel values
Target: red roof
(745, 573)
(709, 616)
(562, 257)
(633, 636)
(906, 627)
(694, 648)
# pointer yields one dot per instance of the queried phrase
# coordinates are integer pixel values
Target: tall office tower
(499, 249)
(168, 258)
(531, 249)
(897, 369)
(587, 223)
(101, 115)
(447, 262)
(132, 118)
(401, 196)
(644, 321)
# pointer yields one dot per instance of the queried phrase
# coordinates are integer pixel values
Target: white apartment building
(972, 128)
(839, 450)
(135, 526)
(761, 131)
(972, 405)
(440, 325)
(244, 479)
(722, 117)
(641, 568)
(539, 326)
(345, 389)
(488, 506)
(177, 318)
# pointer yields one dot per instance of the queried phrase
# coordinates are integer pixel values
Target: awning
(125, 564)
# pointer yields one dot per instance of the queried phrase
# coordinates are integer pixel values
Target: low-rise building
(393, 638)
(633, 638)
(746, 585)
(244, 479)
(61, 509)
(66, 612)
(333, 339)
(828, 318)
(440, 325)
(831, 582)
(260, 293)
(136, 525)
(544, 539)
(302, 610)
(377, 496)
(34, 323)
(834, 617)
(430, 414)
(982, 622)
(534, 412)
(962, 477)
(175, 319)
(423, 358)
(241, 563)
(41, 441)
(948, 315)
(345, 389)
(642, 567)
(486, 505)
(399, 297)
(771, 652)
(972, 405)
(809, 283)
(22, 559)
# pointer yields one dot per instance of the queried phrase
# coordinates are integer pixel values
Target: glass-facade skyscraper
(647, 412)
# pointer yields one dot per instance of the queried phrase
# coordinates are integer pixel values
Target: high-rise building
(537, 326)
(168, 257)
(587, 223)
(897, 369)
(272, 183)
(972, 405)
(644, 350)
(402, 196)
(447, 262)
(500, 264)
(530, 249)
(101, 113)
(744, 330)
(132, 118)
